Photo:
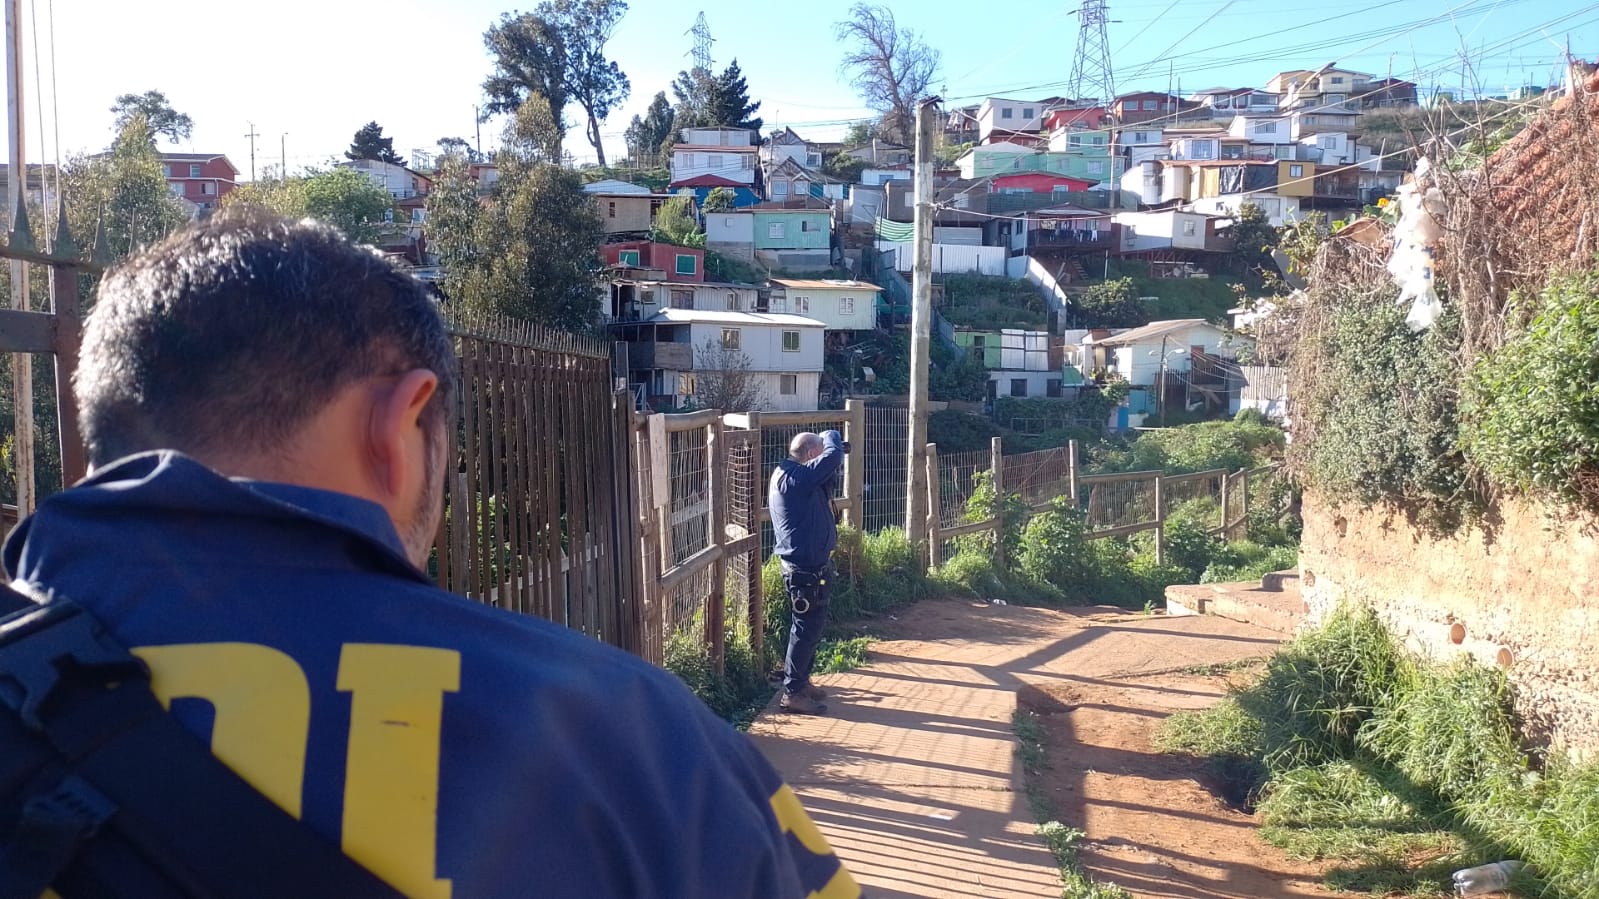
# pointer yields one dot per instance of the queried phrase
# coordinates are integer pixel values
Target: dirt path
(1152, 827)
(914, 779)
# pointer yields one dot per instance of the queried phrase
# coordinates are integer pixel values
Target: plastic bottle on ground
(1484, 879)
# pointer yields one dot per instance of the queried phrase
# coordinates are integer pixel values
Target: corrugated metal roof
(751, 319)
(824, 284)
(1156, 329)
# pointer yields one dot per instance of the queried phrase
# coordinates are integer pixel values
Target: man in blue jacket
(800, 498)
(266, 408)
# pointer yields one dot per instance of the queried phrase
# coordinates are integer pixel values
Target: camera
(844, 445)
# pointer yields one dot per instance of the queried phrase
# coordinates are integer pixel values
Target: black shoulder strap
(121, 774)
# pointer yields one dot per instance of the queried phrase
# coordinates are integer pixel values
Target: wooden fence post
(1226, 512)
(935, 512)
(1160, 522)
(1243, 507)
(756, 613)
(1071, 470)
(855, 463)
(716, 491)
(996, 464)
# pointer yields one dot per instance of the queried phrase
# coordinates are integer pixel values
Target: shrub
(1531, 414)
(1055, 551)
(1191, 549)
(1246, 560)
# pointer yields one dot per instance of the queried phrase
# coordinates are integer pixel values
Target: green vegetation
(739, 691)
(1206, 298)
(1531, 414)
(843, 654)
(1399, 769)
(989, 303)
(1064, 842)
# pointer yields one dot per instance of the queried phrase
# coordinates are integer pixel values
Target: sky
(303, 75)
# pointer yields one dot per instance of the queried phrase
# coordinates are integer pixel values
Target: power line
(1091, 70)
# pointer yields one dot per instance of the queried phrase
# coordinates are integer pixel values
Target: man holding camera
(800, 498)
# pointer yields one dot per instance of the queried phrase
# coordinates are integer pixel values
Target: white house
(840, 305)
(1001, 114)
(724, 152)
(786, 145)
(785, 352)
(1280, 210)
(1142, 354)
(1224, 103)
(1136, 144)
(1166, 229)
(731, 233)
(1272, 129)
(637, 299)
(399, 181)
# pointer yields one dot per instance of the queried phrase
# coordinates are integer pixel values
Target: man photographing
(801, 502)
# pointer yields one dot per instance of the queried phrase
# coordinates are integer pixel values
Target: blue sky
(318, 69)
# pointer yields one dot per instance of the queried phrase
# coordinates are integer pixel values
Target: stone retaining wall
(1523, 595)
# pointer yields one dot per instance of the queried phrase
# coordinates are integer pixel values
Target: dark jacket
(438, 738)
(800, 498)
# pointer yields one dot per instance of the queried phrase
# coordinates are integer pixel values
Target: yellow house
(1296, 179)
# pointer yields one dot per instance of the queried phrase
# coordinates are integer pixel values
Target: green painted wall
(802, 230)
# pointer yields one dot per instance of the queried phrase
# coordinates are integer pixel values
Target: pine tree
(369, 143)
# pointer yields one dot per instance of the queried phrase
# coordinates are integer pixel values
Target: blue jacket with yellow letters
(452, 748)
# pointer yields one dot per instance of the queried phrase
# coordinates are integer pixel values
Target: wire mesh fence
(887, 442)
(743, 520)
(774, 449)
(957, 483)
(1123, 503)
(1038, 477)
(1196, 497)
(689, 512)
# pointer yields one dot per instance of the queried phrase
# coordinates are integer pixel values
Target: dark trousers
(809, 589)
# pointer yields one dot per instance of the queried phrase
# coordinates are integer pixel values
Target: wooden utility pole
(16, 188)
(921, 328)
(252, 136)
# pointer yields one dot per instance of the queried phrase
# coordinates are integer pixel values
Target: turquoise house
(793, 229)
(1083, 160)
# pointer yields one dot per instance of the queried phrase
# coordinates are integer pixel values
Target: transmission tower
(702, 43)
(1091, 73)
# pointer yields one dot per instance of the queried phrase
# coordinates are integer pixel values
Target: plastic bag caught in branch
(1416, 239)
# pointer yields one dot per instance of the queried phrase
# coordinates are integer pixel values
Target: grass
(840, 655)
(1399, 770)
(1065, 843)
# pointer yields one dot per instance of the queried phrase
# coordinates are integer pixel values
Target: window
(1006, 113)
(166, 169)
(775, 230)
(1337, 79)
(977, 341)
(779, 189)
(682, 299)
(647, 297)
(418, 216)
(194, 170)
(1265, 127)
(1334, 98)
(1027, 113)
(1141, 137)
(685, 384)
(1151, 105)
(846, 306)
(1096, 167)
(1018, 386)
(687, 264)
(777, 304)
(610, 212)
(788, 385)
(791, 341)
(1200, 150)
(1188, 229)
(802, 305)
(1328, 142)
(1296, 171)
(176, 189)
(627, 257)
(732, 301)
(714, 160)
(730, 339)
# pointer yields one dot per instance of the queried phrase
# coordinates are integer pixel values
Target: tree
(158, 114)
(123, 191)
(891, 67)
(719, 200)
(675, 224)
(530, 248)
(858, 133)
(1111, 304)
(844, 166)
(342, 197)
(648, 134)
(369, 143)
(715, 101)
(558, 52)
(458, 146)
(1254, 238)
(723, 380)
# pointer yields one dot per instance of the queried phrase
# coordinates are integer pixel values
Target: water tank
(1149, 188)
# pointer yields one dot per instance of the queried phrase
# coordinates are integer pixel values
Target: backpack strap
(120, 769)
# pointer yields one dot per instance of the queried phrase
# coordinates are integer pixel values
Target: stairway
(1274, 604)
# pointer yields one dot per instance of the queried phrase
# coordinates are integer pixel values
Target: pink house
(200, 178)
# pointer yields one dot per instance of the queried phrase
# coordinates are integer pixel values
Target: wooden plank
(1073, 482)
(50, 259)
(1194, 476)
(1123, 531)
(65, 302)
(855, 463)
(675, 576)
(1160, 519)
(688, 421)
(504, 583)
(716, 598)
(935, 511)
(550, 414)
(471, 560)
(971, 527)
(516, 479)
(1092, 479)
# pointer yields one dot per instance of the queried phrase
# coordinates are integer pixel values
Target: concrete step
(1274, 603)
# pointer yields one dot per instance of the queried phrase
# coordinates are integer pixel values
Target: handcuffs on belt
(800, 604)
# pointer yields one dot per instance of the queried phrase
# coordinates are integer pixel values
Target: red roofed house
(200, 178)
(709, 158)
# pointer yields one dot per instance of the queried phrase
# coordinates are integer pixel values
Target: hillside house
(788, 180)
(727, 154)
(1152, 106)
(623, 208)
(673, 262)
(667, 355)
(200, 178)
(1176, 364)
(634, 295)
(1020, 363)
(1225, 103)
(841, 306)
(881, 154)
(787, 145)
(1170, 229)
(999, 117)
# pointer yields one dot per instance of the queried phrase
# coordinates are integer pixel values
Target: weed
(846, 654)
(1149, 607)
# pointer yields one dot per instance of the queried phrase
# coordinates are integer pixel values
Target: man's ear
(396, 439)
